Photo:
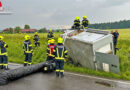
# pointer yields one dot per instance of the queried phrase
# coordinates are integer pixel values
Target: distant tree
(26, 27)
(17, 29)
(111, 25)
(42, 30)
(10, 30)
(57, 30)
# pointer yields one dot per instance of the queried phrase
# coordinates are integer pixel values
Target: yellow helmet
(1, 37)
(77, 18)
(35, 32)
(52, 41)
(60, 40)
(27, 37)
(50, 30)
(84, 17)
(49, 41)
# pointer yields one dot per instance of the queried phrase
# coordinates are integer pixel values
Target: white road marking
(116, 81)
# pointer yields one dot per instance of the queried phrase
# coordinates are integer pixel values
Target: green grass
(16, 55)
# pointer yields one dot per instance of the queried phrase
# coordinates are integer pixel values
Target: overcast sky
(40, 13)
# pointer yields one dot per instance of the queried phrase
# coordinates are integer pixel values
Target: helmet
(60, 40)
(1, 37)
(49, 41)
(77, 18)
(35, 32)
(52, 41)
(27, 37)
(84, 17)
(50, 30)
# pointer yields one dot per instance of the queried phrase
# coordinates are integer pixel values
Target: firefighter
(85, 22)
(3, 54)
(50, 35)
(60, 54)
(115, 38)
(36, 39)
(28, 51)
(50, 56)
(76, 23)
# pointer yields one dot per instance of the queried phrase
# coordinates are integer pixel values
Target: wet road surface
(41, 81)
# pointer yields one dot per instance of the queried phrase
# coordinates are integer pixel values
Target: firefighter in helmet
(85, 22)
(36, 39)
(3, 54)
(60, 54)
(27, 51)
(76, 23)
(50, 35)
(50, 49)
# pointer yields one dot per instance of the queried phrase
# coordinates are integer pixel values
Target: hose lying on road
(49, 66)
(14, 74)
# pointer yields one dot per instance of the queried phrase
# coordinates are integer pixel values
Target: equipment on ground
(49, 66)
(14, 74)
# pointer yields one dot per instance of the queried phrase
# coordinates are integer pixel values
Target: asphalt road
(71, 81)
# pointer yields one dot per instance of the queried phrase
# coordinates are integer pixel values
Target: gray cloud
(40, 13)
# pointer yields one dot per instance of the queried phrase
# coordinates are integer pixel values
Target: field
(16, 55)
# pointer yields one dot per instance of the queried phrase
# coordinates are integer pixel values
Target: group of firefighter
(55, 53)
(80, 25)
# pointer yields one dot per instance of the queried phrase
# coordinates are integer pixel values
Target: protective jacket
(36, 38)
(3, 47)
(85, 23)
(76, 24)
(60, 52)
(50, 50)
(27, 46)
(50, 35)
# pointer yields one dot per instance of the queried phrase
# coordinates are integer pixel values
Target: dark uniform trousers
(3, 61)
(28, 58)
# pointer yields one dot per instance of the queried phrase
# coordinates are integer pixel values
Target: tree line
(18, 29)
(111, 25)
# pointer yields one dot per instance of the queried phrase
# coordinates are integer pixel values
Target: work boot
(29, 64)
(62, 74)
(25, 64)
(1, 67)
(5, 68)
(57, 74)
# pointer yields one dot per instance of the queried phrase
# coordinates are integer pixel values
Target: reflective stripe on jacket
(60, 52)
(27, 46)
(85, 23)
(76, 23)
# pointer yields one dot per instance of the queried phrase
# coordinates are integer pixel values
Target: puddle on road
(104, 83)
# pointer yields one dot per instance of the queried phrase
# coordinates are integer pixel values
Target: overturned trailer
(92, 49)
